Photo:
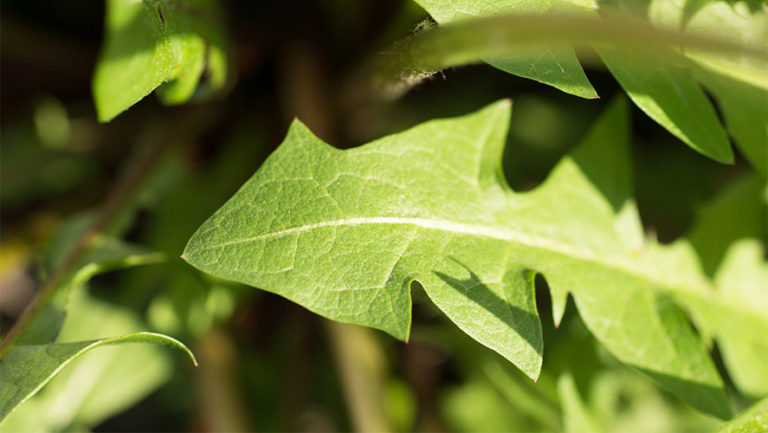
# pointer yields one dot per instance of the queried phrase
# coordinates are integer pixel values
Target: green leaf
(345, 233)
(558, 68)
(525, 397)
(576, 416)
(29, 364)
(669, 95)
(664, 85)
(151, 42)
(371, 284)
(752, 420)
(106, 254)
(99, 384)
(25, 369)
(745, 109)
(743, 21)
(743, 278)
(475, 406)
(727, 237)
(737, 212)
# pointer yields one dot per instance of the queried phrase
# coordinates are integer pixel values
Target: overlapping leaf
(727, 238)
(752, 420)
(106, 254)
(742, 281)
(100, 384)
(666, 86)
(345, 233)
(26, 369)
(670, 96)
(558, 68)
(577, 417)
(40, 352)
(151, 42)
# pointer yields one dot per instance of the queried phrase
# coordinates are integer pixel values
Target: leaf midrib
(487, 231)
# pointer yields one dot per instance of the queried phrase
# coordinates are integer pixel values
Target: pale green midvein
(136, 337)
(494, 232)
(687, 293)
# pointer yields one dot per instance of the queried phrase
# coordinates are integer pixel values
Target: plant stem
(361, 366)
(413, 59)
(220, 400)
(117, 198)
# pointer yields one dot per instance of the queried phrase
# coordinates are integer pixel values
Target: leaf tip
(726, 158)
(497, 110)
(184, 349)
(533, 373)
(153, 337)
(103, 116)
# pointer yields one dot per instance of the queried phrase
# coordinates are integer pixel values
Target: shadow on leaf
(525, 322)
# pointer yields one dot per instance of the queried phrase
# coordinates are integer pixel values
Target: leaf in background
(752, 420)
(737, 212)
(151, 42)
(99, 384)
(527, 405)
(745, 109)
(86, 319)
(106, 254)
(738, 83)
(670, 96)
(344, 233)
(664, 87)
(727, 238)
(558, 68)
(743, 280)
(739, 20)
(476, 406)
(25, 369)
(576, 416)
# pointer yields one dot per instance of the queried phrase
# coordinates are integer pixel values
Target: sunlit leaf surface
(344, 233)
(152, 42)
